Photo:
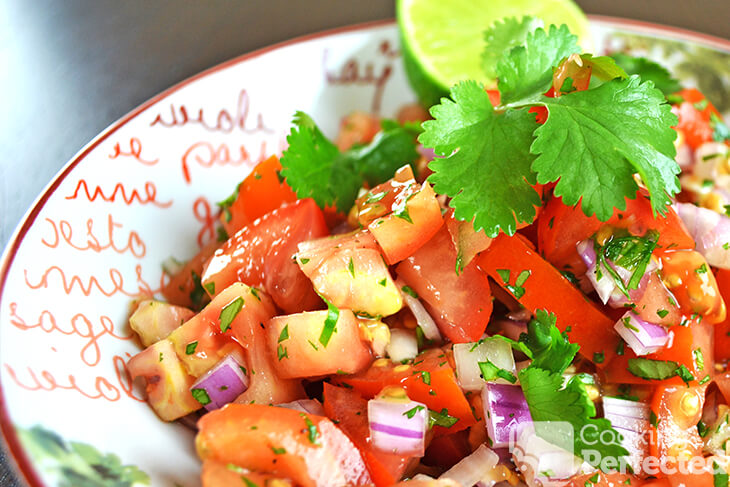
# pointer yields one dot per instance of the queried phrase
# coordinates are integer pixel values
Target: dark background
(70, 68)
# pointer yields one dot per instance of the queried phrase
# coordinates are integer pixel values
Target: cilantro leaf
(526, 71)
(502, 36)
(472, 139)
(649, 71)
(549, 401)
(315, 168)
(720, 131)
(551, 349)
(593, 141)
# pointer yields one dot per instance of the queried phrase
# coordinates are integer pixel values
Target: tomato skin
(678, 409)
(357, 128)
(302, 355)
(442, 379)
(686, 340)
(695, 123)
(331, 460)
(460, 304)
(260, 193)
(261, 255)
(589, 327)
(689, 278)
(350, 410)
(467, 241)
(722, 330)
(217, 474)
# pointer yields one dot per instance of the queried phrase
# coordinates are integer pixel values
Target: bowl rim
(23, 466)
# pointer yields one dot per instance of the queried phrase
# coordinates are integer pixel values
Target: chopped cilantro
(442, 418)
(200, 395)
(426, 377)
(278, 451)
(229, 313)
(720, 131)
(304, 261)
(313, 345)
(662, 313)
(282, 352)
(656, 369)
(333, 314)
(699, 358)
(312, 430)
(409, 291)
(315, 168)
(550, 349)
(351, 267)
(599, 357)
(210, 287)
(701, 269)
(702, 429)
(491, 372)
(383, 282)
(412, 412)
(190, 348)
(284, 335)
(684, 374)
(720, 477)
(255, 293)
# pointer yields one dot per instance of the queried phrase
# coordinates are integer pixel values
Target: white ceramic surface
(145, 190)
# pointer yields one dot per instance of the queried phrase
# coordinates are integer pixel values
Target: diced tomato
(447, 450)
(415, 218)
(184, 287)
(561, 227)
(261, 255)
(430, 380)
(261, 192)
(494, 97)
(467, 241)
(308, 449)
(722, 330)
(690, 279)
(678, 410)
(167, 382)
(203, 331)
(357, 128)
(694, 117)
(295, 344)
(688, 343)
(349, 271)
(515, 266)
(266, 386)
(379, 201)
(155, 320)
(218, 474)
(571, 75)
(350, 412)
(461, 304)
(413, 112)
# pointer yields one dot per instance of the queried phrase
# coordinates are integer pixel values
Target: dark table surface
(70, 68)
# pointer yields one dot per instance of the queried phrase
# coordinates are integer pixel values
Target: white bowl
(150, 181)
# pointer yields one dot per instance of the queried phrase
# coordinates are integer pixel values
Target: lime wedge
(442, 40)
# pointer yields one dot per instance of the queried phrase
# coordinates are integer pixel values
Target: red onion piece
(643, 337)
(424, 320)
(308, 406)
(402, 346)
(223, 383)
(473, 468)
(631, 420)
(505, 411)
(710, 230)
(398, 426)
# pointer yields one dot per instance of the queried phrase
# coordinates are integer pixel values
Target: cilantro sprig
(315, 168)
(550, 400)
(592, 144)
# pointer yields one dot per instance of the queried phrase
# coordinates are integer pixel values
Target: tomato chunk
(261, 192)
(217, 474)
(261, 255)
(694, 117)
(350, 272)
(536, 284)
(350, 411)
(184, 287)
(155, 320)
(308, 449)
(429, 379)
(467, 241)
(295, 344)
(461, 304)
(722, 330)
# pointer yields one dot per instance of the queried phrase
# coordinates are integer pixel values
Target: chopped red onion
(308, 406)
(223, 383)
(424, 320)
(402, 346)
(398, 426)
(505, 411)
(710, 230)
(606, 287)
(631, 420)
(643, 337)
(468, 355)
(543, 463)
(473, 468)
